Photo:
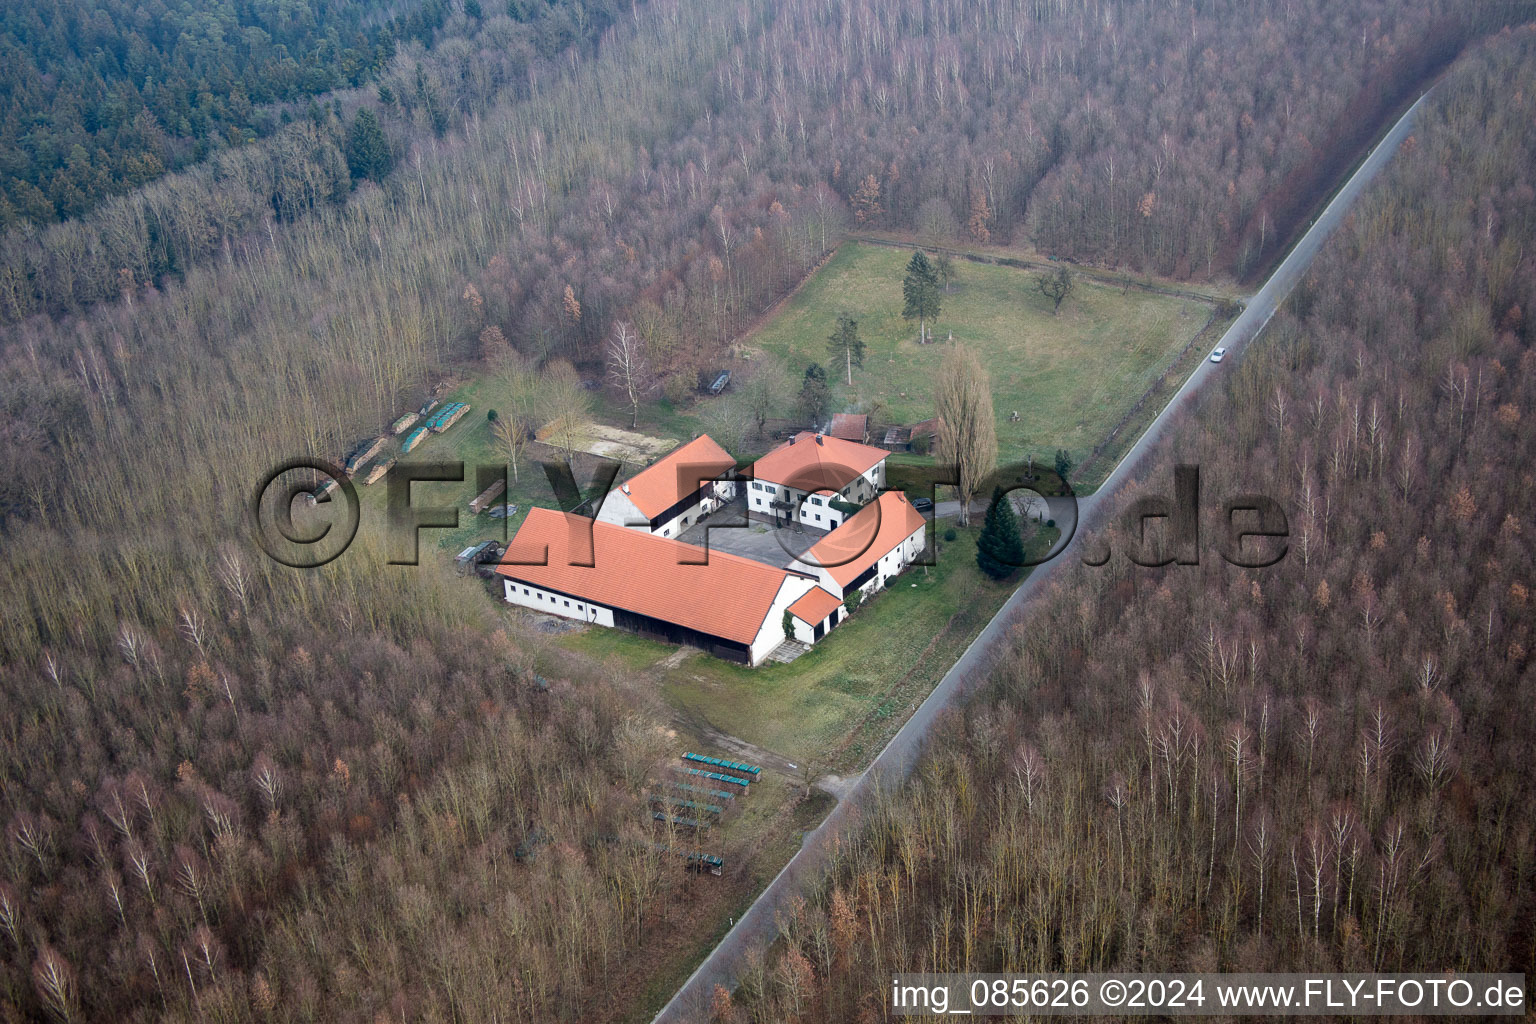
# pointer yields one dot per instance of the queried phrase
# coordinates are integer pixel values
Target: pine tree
(846, 345)
(999, 548)
(920, 290)
(368, 154)
(815, 395)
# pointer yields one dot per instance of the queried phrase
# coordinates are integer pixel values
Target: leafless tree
(628, 368)
(968, 435)
(55, 983)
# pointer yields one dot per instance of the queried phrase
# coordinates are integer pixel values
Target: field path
(758, 927)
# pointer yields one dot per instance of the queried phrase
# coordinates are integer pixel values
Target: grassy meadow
(1070, 376)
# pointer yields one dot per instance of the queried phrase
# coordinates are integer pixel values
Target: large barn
(671, 494)
(564, 564)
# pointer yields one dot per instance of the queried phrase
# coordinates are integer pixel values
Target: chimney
(793, 437)
(818, 439)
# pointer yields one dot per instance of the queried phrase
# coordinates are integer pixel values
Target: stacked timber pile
(447, 416)
(415, 438)
(404, 423)
(487, 496)
(377, 470)
(361, 453)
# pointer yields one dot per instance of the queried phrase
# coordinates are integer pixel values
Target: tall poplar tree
(968, 432)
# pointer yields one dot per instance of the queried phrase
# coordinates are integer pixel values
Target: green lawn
(1071, 377)
(853, 688)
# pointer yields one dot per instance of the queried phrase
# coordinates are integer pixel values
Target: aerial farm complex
(630, 567)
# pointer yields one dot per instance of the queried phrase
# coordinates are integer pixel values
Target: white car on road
(1217, 355)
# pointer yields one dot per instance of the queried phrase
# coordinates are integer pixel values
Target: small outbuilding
(850, 426)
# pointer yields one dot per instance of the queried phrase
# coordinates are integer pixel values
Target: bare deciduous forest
(1319, 766)
(235, 792)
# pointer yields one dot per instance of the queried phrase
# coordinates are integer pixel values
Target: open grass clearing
(1070, 377)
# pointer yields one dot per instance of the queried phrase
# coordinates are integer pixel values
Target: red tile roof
(815, 606)
(678, 474)
(807, 464)
(928, 428)
(865, 538)
(728, 596)
(849, 426)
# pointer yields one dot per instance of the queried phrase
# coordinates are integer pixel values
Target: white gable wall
(620, 511)
(771, 633)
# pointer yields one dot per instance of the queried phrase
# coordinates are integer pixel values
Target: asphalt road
(758, 927)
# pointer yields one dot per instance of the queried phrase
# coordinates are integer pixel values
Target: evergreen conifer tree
(999, 548)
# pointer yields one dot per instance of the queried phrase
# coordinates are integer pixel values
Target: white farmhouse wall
(806, 632)
(771, 633)
(526, 595)
(619, 510)
(723, 491)
(816, 510)
(860, 491)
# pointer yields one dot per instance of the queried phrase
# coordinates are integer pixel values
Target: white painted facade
(861, 490)
(527, 595)
(771, 633)
(816, 510)
(806, 632)
(891, 564)
(618, 509)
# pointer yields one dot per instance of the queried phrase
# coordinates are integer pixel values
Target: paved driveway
(1025, 503)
